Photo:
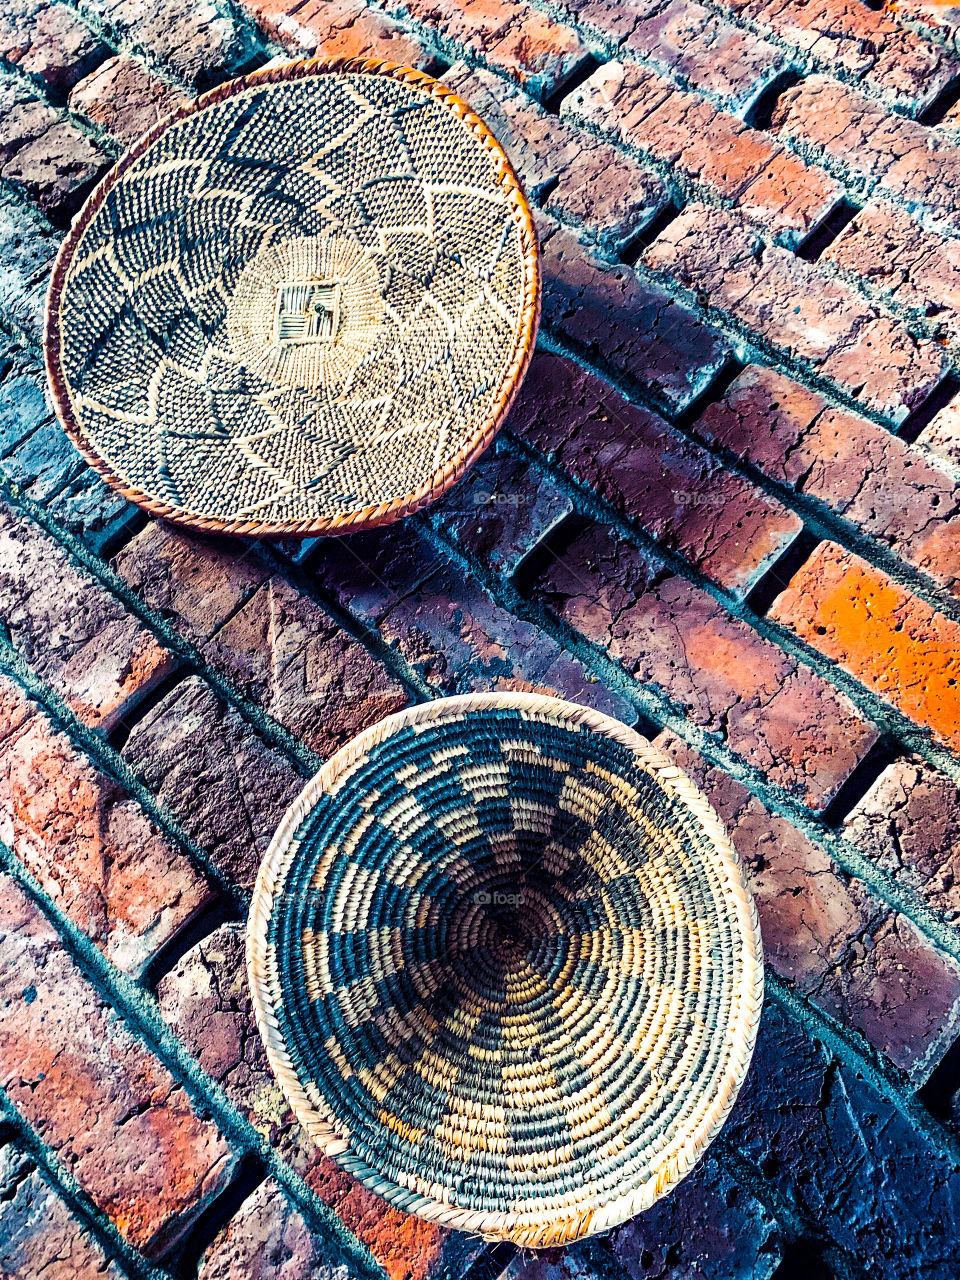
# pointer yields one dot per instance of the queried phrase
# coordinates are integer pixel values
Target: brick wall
(725, 508)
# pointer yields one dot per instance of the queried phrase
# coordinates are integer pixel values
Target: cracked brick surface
(725, 509)
(109, 1109)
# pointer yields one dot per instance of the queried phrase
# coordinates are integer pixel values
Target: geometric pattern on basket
(513, 970)
(170, 350)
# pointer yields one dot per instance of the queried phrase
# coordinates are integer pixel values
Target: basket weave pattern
(302, 305)
(506, 967)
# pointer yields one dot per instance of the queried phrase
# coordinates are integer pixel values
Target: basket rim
(361, 518)
(526, 1228)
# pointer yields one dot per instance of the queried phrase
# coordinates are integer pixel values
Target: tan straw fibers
(302, 304)
(506, 967)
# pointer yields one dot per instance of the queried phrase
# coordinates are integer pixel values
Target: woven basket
(506, 967)
(301, 305)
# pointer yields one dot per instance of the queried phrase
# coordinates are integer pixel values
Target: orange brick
(897, 645)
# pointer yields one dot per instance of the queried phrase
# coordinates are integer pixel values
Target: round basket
(300, 305)
(506, 967)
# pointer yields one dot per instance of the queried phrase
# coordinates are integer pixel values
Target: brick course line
(819, 518)
(64, 1185)
(140, 1012)
(657, 708)
(110, 763)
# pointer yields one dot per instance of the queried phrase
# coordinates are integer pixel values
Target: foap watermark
(498, 498)
(497, 898)
(691, 498)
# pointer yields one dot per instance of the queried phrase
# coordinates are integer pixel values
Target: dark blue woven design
(508, 963)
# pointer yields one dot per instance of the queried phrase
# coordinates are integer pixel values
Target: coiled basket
(300, 305)
(506, 967)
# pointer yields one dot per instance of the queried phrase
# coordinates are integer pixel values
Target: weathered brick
(196, 582)
(124, 98)
(206, 1000)
(502, 509)
(90, 846)
(705, 51)
(861, 962)
(942, 435)
(269, 1239)
(677, 491)
(510, 35)
(44, 463)
(707, 1227)
(197, 39)
(789, 304)
(210, 770)
(289, 657)
(852, 1164)
(780, 716)
(909, 824)
(23, 406)
(862, 41)
(575, 176)
(112, 1113)
(49, 42)
(27, 250)
(72, 632)
(447, 628)
(888, 488)
(894, 643)
(633, 328)
(38, 1235)
(338, 29)
(873, 145)
(712, 151)
(44, 153)
(919, 269)
(93, 511)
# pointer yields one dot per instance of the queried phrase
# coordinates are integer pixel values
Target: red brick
(49, 42)
(780, 716)
(886, 487)
(44, 153)
(337, 29)
(791, 305)
(124, 98)
(862, 963)
(73, 633)
(446, 627)
(864, 42)
(509, 35)
(633, 328)
(209, 769)
(919, 269)
(110, 1111)
(708, 53)
(195, 582)
(206, 1001)
(38, 1235)
(199, 42)
(267, 1238)
(579, 179)
(901, 156)
(717, 154)
(908, 823)
(894, 643)
(942, 436)
(502, 509)
(289, 657)
(90, 846)
(677, 491)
